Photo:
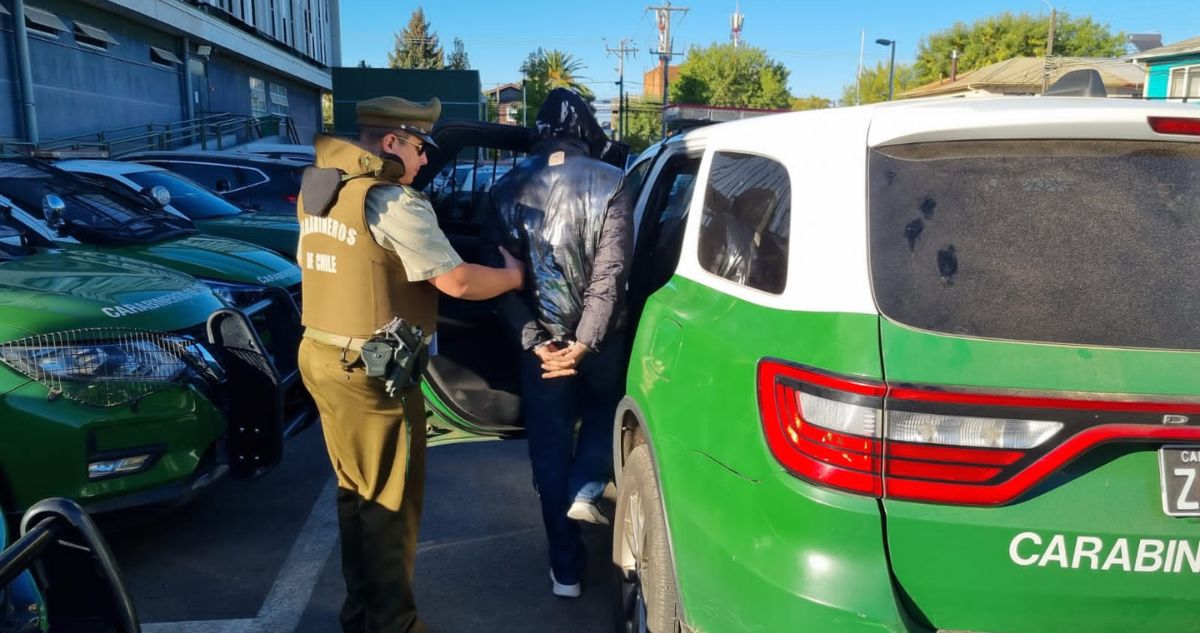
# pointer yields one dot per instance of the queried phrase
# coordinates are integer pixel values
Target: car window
(1062, 241)
(188, 197)
(636, 177)
(745, 227)
(462, 199)
(209, 176)
(660, 238)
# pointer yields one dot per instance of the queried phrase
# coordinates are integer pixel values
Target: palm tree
(562, 72)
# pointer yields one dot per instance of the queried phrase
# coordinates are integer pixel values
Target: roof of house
(1025, 74)
(1178, 48)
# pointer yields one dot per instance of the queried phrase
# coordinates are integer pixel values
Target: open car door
(471, 384)
(472, 381)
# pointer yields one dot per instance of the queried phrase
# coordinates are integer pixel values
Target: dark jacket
(569, 218)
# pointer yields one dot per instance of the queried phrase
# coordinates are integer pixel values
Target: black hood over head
(565, 114)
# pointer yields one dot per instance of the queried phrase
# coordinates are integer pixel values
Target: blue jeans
(566, 470)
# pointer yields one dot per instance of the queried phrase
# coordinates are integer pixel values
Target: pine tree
(457, 58)
(417, 46)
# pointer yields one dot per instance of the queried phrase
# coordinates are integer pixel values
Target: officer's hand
(564, 362)
(515, 268)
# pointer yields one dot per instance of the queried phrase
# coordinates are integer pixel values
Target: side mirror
(12, 237)
(160, 195)
(54, 210)
(223, 186)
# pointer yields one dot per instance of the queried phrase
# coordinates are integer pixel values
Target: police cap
(414, 117)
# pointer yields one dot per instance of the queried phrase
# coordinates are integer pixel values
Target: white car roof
(105, 167)
(961, 118)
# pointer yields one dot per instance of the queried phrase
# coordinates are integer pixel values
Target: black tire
(647, 601)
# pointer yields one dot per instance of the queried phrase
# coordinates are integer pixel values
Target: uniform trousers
(376, 445)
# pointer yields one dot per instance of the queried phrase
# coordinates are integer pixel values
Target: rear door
(1041, 328)
(471, 383)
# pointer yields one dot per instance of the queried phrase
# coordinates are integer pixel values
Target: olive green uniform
(364, 262)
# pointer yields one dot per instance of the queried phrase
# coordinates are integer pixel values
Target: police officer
(371, 250)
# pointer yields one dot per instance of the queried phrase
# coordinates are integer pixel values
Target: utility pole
(665, 52)
(1049, 50)
(621, 52)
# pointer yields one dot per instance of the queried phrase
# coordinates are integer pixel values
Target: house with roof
(1031, 75)
(1173, 71)
(506, 99)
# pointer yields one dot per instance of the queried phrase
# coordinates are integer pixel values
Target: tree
(417, 46)
(544, 71)
(457, 58)
(725, 75)
(811, 102)
(643, 125)
(1005, 36)
(872, 86)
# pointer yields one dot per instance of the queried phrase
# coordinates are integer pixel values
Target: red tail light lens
(291, 198)
(821, 427)
(936, 445)
(1175, 125)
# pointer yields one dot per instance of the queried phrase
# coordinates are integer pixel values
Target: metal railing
(214, 131)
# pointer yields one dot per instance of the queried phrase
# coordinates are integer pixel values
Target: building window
(163, 57)
(1184, 83)
(744, 230)
(279, 99)
(43, 22)
(258, 97)
(93, 36)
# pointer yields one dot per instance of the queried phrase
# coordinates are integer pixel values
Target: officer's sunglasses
(417, 144)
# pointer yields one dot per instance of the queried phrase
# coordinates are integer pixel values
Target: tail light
(924, 444)
(291, 198)
(1175, 125)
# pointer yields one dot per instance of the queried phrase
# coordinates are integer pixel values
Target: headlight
(236, 295)
(124, 361)
(108, 367)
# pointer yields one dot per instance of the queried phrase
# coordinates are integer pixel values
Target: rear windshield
(1065, 241)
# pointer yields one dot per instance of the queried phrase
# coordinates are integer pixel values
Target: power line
(665, 46)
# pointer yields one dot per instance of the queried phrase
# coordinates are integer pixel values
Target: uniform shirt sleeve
(405, 224)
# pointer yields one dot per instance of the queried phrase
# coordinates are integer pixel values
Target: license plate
(1179, 468)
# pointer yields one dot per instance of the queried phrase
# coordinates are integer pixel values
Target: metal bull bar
(255, 392)
(72, 568)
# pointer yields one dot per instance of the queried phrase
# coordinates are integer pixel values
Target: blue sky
(818, 42)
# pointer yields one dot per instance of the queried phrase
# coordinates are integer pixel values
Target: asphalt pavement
(262, 556)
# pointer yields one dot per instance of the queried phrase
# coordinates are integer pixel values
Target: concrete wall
(10, 106)
(80, 89)
(229, 91)
(83, 89)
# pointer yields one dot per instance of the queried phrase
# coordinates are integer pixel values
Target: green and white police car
(123, 383)
(914, 367)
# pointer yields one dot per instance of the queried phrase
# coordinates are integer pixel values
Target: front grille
(106, 367)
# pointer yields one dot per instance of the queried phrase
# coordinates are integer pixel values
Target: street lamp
(891, 65)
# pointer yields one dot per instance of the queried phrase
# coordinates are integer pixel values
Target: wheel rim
(633, 566)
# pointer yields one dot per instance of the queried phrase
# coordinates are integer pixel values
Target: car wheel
(647, 599)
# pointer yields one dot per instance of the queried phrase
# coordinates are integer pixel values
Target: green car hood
(277, 232)
(219, 258)
(58, 290)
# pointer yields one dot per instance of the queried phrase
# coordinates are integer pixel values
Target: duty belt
(352, 343)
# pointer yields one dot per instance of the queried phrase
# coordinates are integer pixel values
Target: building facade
(1173, 71)
(109, 64)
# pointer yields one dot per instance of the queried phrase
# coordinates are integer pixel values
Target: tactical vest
(351, 285)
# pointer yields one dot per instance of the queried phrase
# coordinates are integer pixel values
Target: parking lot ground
(262, 556)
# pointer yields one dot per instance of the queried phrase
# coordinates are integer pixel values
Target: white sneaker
(564, 591)
(586, 512)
